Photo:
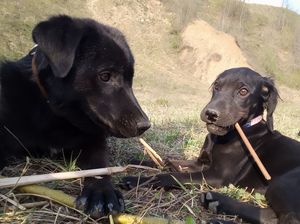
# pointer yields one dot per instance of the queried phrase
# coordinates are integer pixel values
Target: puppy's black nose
(212, 115)
(142, 126)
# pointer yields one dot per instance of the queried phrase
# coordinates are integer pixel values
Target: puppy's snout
(142, 126)
(212, 115)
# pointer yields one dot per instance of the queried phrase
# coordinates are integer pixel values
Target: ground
(172, 87)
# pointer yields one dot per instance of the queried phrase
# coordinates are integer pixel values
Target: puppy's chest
(229, 157)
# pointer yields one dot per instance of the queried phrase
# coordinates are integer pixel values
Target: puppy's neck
(36, 78)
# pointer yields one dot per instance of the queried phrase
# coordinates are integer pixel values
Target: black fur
(80, 94)
(239, 95)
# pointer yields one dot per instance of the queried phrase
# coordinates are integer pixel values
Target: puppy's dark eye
(243, 92)
(105, 76)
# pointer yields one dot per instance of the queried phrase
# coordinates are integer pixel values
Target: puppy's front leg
(98, 196)
(203, 162)
(171, 180)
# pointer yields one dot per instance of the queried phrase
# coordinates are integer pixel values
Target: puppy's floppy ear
(58, 39)
(270, 97)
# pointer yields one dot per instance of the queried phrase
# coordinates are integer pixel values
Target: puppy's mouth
(218, 130)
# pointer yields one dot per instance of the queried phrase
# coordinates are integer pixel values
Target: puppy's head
(88, 67)
(239, 95)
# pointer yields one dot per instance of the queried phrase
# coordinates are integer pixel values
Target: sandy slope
(208, 52)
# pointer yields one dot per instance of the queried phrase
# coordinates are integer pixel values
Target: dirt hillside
(208, 52)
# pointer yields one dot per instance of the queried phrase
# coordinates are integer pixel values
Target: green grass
(19, 17)
(242, 194)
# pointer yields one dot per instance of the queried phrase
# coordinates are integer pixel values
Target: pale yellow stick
(151, 152)
(252, 152)
(35, 179)
(133, 219)
(63, 198)
(55, 195)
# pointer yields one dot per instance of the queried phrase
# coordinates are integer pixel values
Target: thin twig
(153, 154)
(57, 214)
(252, 152)
(16, 204)
(34, 204)
(17, 139)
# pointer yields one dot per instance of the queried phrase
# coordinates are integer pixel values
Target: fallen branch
(35, 179)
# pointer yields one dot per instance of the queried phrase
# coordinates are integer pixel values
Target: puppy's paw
(220, 203)
(99, 198)
(210, 202)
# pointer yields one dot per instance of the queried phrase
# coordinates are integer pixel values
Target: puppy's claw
(122, 204)
(96, 211)
(209, 196)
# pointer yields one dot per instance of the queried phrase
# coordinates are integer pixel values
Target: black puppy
(241, 95)
(71, 92)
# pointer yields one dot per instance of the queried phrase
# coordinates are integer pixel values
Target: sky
(291, 4)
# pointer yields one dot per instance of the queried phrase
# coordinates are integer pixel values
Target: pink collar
(254, 121)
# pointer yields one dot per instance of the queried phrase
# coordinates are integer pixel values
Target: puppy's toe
(209, 201)
(115, 202)
(96, 210)
(213, 206)
(81, 202)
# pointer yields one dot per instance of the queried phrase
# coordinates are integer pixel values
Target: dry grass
(175, 204)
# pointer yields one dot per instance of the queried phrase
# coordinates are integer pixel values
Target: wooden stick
(35, 179)
(153, 155)
(252, 152)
